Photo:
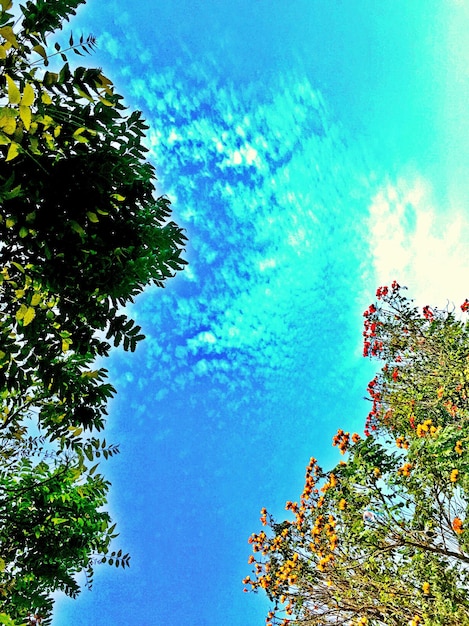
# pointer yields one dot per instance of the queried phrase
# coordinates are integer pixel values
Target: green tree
(383, 538)
(81, 234)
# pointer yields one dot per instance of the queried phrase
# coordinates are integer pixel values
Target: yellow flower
(458, 447)
(342, 504)
(426, 588)
(377, 472)
(454, 476)
(439, 392)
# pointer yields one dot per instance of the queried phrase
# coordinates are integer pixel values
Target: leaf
(29, 316)
(13, 151)
(46, 99)
(36, 299)
(93, 469)
(78, 135)
(28, 96)
(7, 33)
(106, 103)
(40, 50)
(14, 95)
(92, 217)
(21, 312)
(8, 120)
(23, 232)
(3, 52)
(77, 228)
(25, 115)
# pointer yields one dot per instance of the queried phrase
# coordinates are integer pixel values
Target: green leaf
(13, 151)
(8, 120)
(36, 299)
(92, 217)
(29, 316)
(77, 228)
(25, 115)
(27, 99)
(7, 33)
(21, 312)
(14, 95)
(38, 49)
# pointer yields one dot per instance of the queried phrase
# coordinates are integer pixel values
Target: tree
(81, 234)
(383, 538)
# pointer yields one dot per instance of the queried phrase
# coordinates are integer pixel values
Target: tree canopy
(383, 538)
(81, 234)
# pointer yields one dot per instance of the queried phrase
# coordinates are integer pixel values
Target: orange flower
(342, 504)
(405, 469)
(454, 476)
(457, 526)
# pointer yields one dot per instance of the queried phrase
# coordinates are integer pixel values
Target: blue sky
(312, 150)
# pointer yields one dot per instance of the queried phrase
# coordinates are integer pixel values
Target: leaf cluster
(383, 538)
(81, 234)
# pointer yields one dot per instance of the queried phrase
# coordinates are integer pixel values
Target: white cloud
(418, 244)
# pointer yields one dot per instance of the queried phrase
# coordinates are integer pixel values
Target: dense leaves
(383, 539)
(81, 234)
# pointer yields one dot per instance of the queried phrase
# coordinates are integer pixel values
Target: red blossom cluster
(341, 440)
(465, 306)
(428, 313)
(381, 292)
(375, 395)
(371, 345)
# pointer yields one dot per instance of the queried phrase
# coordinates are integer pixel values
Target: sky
(313, 151)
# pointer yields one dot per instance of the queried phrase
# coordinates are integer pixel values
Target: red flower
(395, 374)
(381, 292)
(427, 313)
(465, 306)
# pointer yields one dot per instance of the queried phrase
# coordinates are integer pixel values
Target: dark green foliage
(81, 234)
